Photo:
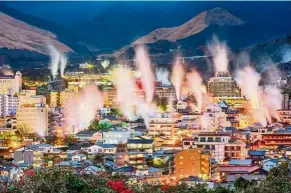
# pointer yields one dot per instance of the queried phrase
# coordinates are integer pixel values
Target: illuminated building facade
(214, 118)
(33, 113)
(276, 139)
(165, 124)
(28, 156)
(214, 143)
(140, 144)
(223, 86)
(10, 84)
(285, 116)
(137, 159)
(165, 92)
(8, 104)
(192, 162)
(54, 99)
(110, 97)
(67, 96)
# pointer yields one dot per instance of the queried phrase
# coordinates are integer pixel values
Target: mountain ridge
(216, 16)
(16, 34)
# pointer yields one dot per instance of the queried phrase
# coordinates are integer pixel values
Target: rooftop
(105, 145)
(256, 152)
(140, 141)
(240, 162)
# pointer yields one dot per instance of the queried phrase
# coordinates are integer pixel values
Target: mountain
(268, 53)
(63, 34)
(193, 35)
(216, 16)
(15, 34)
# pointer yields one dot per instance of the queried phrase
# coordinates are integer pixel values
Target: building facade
(8, 104)
(10, 84)
(192, 162)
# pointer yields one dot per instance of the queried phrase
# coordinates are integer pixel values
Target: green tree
(99, 126)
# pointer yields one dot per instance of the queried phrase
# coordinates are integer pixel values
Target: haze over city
(130, 97)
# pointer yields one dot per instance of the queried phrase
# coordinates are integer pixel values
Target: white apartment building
(214, 143)
(8, 104)
(214, 118)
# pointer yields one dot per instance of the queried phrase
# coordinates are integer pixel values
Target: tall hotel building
(223, 87)
(33, 113)
(10, 84)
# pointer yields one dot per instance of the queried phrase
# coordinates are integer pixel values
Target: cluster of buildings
(219, 144)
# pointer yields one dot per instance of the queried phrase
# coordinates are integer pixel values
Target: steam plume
(218, 50)
(263, 104)
(54, 60)
(162, 75)
(58, 60)
(177, 78)
(195, 86)
(83, 108)
(147, 76)
(63, 64)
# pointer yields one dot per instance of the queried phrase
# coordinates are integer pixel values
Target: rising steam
(80, 111)
(263, 103)
(54, 60)
(162, 76)
(178, 73)
(63, 64)
(195, 87)
(147, 77)
(218, 51)
(58, 61)
(130, 103)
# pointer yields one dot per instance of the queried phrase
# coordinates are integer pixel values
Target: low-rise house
(101, 148)
(46, 148)
(10, 173)
(137, 159)
(268, 164)
(140, 144)
(78, 157)
(28, 156)
(116, 136)
(249, 177)
(113, 120)
(92, 170)
(238, 168)
(194, 180)
(88, 135)
(131, 171)
(257, 156)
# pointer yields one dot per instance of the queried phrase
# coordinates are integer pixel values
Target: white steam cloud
(58, 61)
(162, 75)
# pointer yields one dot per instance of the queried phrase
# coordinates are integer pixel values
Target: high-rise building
(10, 84)
(223, 86)
(285, 102)
(54, 99)
(110, 97)
(165, 92)
(8, 104)
(33, 114)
